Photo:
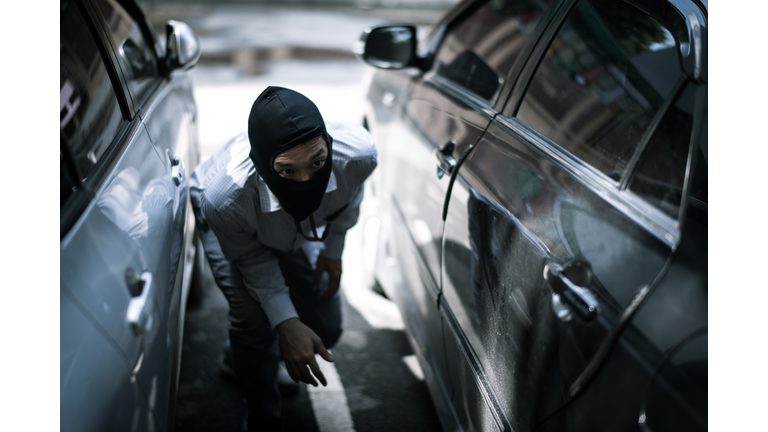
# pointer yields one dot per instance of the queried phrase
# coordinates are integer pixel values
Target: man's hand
(299, 344)
(333, 267)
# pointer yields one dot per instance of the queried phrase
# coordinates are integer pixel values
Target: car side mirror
(389, 46)
(182, 48)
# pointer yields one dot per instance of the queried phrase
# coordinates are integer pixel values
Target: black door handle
(445, 160)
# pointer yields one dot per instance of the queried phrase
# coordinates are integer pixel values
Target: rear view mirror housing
(388, 46)
(182, 48)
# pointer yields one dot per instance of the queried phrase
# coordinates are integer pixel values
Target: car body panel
(415, 236)
(500, 233)
(126, 227)
(656, 376)
(89, 363)
(138, 221)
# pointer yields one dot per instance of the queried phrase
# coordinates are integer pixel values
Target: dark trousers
(254, 343)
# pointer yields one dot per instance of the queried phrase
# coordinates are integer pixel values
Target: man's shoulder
(224, 176)
(351, 141)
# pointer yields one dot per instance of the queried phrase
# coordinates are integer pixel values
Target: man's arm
(329, 260)
(265, 282)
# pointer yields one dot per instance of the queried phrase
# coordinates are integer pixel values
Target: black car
(542, 196)
(127, 259)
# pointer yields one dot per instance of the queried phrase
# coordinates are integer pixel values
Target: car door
(655, 378)
(165, 107)
(546, 252)
(95, 391)
(444, 112)
(116, 253)
(479, 54)
(100, 353)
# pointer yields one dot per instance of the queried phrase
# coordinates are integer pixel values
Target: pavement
(379, 387)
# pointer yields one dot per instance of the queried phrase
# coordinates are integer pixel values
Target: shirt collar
(272, 204)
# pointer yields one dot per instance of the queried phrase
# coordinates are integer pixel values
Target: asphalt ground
(383, 393)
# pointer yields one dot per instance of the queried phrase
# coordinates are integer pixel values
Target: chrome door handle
(177, 171)
(140, 308)
(569, 293)
(445, 160)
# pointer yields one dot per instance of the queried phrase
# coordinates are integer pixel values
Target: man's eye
(319, 163)
(286, 172)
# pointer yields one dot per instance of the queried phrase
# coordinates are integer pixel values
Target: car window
(661, 171)
(90, 115)
(604, 77)
(67, 181)
(133, 52)
(480, 49)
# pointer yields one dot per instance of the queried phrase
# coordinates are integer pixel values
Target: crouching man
(272, 212)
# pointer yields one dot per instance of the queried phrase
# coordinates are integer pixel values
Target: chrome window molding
(481, 379)
(653, 220)
(452, 89)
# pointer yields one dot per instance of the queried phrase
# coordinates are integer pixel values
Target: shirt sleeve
(258, 265)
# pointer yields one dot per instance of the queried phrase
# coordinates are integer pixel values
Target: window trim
(515, 72)
(135, 11)
(110, 58)
(656, 222)
(148, 33)
(529, 68)
(461, 93)
(96, 177)
(437, 39)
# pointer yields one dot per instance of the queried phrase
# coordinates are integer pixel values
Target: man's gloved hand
(299, 344)
(333, 267)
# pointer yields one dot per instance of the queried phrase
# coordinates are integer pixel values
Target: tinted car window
(661, 170)
(479, 50)
(133, 52)
(67, 180)
(90, 116)
(604, 77)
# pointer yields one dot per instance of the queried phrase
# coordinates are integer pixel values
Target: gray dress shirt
(249, 222)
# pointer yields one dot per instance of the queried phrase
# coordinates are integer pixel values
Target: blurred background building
(302, 44)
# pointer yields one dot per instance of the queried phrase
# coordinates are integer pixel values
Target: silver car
(128, 142)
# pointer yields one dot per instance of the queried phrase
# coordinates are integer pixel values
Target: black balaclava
(281, 119)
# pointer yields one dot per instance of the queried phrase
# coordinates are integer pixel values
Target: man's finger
(307, 376)
(324, 353)
(316, 370)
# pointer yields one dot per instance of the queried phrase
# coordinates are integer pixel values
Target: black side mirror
(182, 49)
(390, 46)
